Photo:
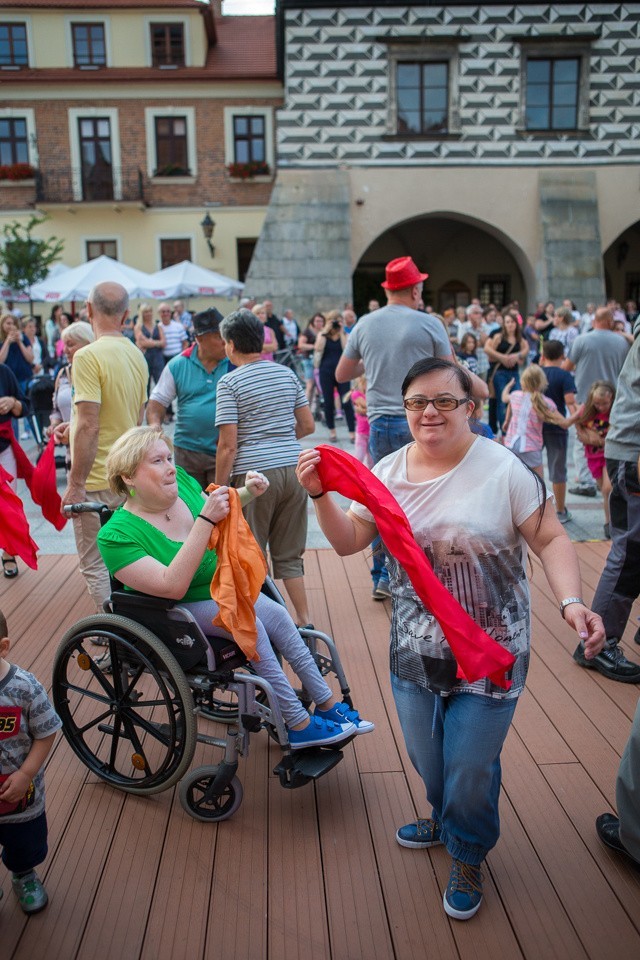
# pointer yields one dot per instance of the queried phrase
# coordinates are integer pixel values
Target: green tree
(24, 259)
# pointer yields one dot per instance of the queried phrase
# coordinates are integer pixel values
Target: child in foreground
(28, 725)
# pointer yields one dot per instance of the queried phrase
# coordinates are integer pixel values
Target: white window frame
(68, 35)
(150, 114)
(186, 36)
(432, 52)
(249, 111)
(177, 235)
(101, 238)
(25, 113)
(80, 113)
(26, 19)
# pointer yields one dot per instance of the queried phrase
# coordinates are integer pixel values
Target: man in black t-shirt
(562, 390)
(275, 324)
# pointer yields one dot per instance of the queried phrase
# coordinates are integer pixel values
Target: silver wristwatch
(567, 601)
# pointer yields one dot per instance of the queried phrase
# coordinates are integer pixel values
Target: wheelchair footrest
(300, 766)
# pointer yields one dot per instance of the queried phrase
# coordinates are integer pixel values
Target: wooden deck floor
(316, 873)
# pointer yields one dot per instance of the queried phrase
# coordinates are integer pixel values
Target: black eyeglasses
(418, 404)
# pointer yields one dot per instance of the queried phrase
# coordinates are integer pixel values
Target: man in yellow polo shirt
(109, 393)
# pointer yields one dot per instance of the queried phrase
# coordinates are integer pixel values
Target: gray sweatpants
(276, 627)
(628, 791)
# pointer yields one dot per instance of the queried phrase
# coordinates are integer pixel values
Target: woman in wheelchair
(158, 543)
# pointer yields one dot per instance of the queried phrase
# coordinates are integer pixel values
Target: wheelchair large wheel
(192, 793)
(134, 727)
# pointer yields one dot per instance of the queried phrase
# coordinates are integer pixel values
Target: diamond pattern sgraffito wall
(337, 78)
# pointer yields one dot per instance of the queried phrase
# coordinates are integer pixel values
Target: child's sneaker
(320, 733)
(342, 713)
(463, 895)
(420, 834)
(30, 892)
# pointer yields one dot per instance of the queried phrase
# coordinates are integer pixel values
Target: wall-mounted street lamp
(208, 226)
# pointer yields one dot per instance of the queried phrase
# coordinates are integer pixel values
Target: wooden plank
(582, 736)
(377, 750)
(238, 904)
(583, 802)
(358, 922)
(591, 905)
(412, 896)
(543, 741)
(298, 922)
(127, 880)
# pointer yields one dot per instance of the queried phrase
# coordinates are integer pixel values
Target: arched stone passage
(622, 265)
(464, 258)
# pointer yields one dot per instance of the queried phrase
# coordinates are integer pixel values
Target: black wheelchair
(134, 725)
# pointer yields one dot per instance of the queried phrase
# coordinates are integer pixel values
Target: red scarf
(41, 480)
(476, 653)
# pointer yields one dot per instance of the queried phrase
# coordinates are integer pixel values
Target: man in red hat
(384, 345)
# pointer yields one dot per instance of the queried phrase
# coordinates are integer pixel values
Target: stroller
(39, 392)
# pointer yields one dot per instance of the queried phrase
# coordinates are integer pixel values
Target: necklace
(167, 517)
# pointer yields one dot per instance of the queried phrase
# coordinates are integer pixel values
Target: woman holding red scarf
(12, 405)
(473, 508)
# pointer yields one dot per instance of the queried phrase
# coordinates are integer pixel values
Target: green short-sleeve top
(126, 538)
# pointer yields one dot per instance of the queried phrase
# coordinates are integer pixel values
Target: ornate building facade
(497, 143)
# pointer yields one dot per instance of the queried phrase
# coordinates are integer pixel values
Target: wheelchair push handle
(89, 506)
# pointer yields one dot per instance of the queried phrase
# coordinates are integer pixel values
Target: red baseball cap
(401, 273)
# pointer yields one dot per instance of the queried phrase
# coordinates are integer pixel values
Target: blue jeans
(387, 434)
(455, 744)
(500, 380)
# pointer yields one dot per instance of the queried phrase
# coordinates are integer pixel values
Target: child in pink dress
(592, 429)
(359, 401)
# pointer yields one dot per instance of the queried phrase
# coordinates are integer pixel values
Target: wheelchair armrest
(142, 600)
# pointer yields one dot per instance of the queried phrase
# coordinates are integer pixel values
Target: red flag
(477, 654)
(14, 526)
(43, 487)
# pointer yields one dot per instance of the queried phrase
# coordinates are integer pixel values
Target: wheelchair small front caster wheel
(200, 804)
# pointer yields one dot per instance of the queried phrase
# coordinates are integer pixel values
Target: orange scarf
(239, 575)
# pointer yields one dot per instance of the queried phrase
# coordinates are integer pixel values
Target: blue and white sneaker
(342, 713)
(419, 835)
(320, 733)
(463, 895)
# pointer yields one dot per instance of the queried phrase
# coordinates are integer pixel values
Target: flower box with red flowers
(17, 172)
(248, 171)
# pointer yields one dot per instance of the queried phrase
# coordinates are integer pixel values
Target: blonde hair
(128, 452)
(360, 383)
(3, 320)
(80, 331)
(534, 382)
(144, 307)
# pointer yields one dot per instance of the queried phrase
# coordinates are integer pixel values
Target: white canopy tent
(22, 296)
(187, 279)
(76, 283)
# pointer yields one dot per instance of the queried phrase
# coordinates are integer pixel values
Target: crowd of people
(451, 412)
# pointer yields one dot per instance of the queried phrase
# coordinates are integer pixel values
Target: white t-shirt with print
(466, 521)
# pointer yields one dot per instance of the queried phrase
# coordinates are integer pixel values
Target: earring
(132, 492)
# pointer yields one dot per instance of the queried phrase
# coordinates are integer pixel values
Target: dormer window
(89, 47)
(13, 46)
(167, 45)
